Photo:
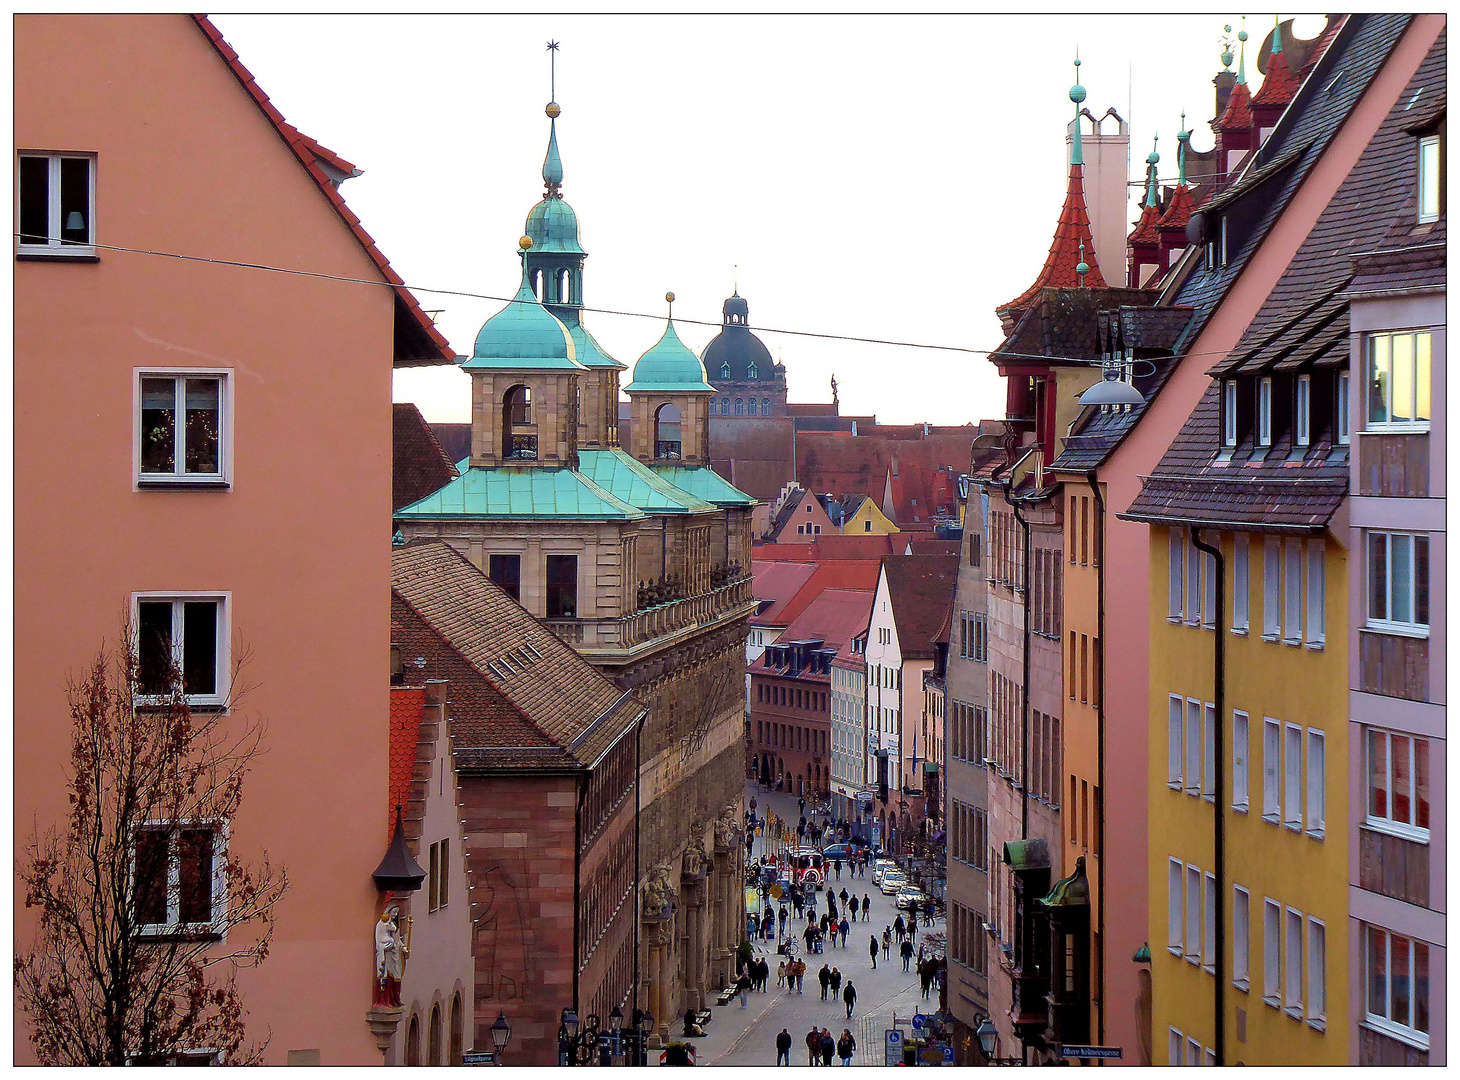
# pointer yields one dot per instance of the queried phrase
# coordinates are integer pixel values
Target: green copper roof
(1077, 95)
(704, 483)
(533, 492)
(636, 484)
(552, 165)
(1073, 891)
(669, 366)
(524, 335)
(590, 353)
(553, 226)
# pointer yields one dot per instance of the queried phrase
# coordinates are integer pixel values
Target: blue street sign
(893, 1049)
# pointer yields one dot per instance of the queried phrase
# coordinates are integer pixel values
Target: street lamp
(988, 1042)
(501, 1034)
(616, 1020)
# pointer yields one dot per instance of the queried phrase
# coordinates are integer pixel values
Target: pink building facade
(280, 525)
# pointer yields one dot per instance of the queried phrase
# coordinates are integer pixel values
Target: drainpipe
(638, 814)
(1219, 852)
(1099, 744)
(582, 783)
(1024, 720)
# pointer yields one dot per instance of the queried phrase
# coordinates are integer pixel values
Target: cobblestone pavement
(737, 1036)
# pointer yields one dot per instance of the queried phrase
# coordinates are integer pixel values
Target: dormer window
(1264, 411)
(1429, 178)
(1216, 246)
(1229, 413)
(751, 372)
(725, 370)
(1302, 409)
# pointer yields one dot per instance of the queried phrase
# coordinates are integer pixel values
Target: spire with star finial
(552, 165)
(1242, 52)
(1279, 84)
(1152, 160)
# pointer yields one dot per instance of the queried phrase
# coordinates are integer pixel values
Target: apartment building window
(1229, 413)
(1095, 671)
(1193, 747)
(57, 198)
(1176, 573)
(1193, 583)
(1293, 776)
(980, 839)
(1429, 178)
(1293, 1003)
(1241, 936)
(438, 875)
(1193, 916)
(1239, 761)
(1292, 592)
(1342, 407)
(981, 638)
(1271, 589)
(562, 586)
(1317, 972)
(1209, 605)
(180, 427)
(182, 635)
(1398, 586)
(1070, 678)
(1193, 1053)
(1317, 789)
(1174, 872)
(1399, 381)
(1271, 769)
(1302, 409)
(506, 572)
(1174, 709)
(1316, 590)
(1175, 1041)
(177, 877)
(1272, 938)
(1084, 665)
(1399, 784)
(1397, 988)
(1264, 411)
(1209, 924)
(1241, 586)
(1209, 752)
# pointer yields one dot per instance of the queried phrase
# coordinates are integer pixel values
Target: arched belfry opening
(519, 435)
(668, 443)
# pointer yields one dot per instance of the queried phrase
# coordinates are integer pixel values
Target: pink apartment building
(270, 538)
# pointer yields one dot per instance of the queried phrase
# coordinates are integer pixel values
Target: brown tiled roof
(550, 686)
(418, 465)
(835, 616)
(455, 440)
(1178, 209)
(919, 588)
(1072, 229)
(844, 465)
(857, 576)
(929, 546)
(417, 341)
(829, 547)
(406, 703)
(1279, 84)
(1145, 231)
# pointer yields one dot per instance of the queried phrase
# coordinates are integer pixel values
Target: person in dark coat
(846, 928)
(899, 928)
(852, 906)
(907, 953)
(849, 995)
(912, 913)
(836, 983)
(874, 952)
(844, 895)
(813, 1046)
(783, 1048)
(828, 1047)
(866, 907)
(846, 1046)
(824, 978)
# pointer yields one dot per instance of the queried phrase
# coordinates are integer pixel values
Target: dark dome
(737, 346)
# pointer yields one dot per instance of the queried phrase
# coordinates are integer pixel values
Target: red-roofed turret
(1279, 85)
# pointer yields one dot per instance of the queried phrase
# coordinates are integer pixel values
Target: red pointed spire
(1278, 85)
(1238, 116)
(1145, 230)
(1064, 252)
(1178, 210)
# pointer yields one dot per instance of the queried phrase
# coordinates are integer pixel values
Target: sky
(892, 178)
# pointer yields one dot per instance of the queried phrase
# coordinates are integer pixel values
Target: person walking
(785, 918)
(866, 907)
(899, 929)
(800, 975)
(846, 928)
(849, 995)
(824, 978)
(781, 973)
(886, 942)
(783, 1048)
(836, 984)
(852, 906)
(846, 1046)
(828, 1047)
(844, 895)
(874, 952)
(801, 808)
(837, 863)
(912, 913)
(813, 1046)
(742, 987)
(907, 952)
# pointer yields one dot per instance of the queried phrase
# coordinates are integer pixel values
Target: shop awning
(1022, 855)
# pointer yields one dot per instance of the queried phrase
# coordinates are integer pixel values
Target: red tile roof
(835, 616)
(827, 548)
(406, 703)
(1145, 230)
(929, 546)
(920, 588)
(1279, 84)
(418, 465)
(1064, 251)
(418, 342)
(858, 575)
(1238, 116)
(848, 466)
(777, 582)
(1178, 210)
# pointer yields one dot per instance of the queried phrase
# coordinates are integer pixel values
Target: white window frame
(1241, 938)
(1175, 725)
(1271, 589)
(1293, 962)
(1428, 202)
(1389, 823)
(1388, 624)
(1292, 592)
(1272, 771)
(1193, 582)
(1317, 960)
(224, 600)
(1175, 1041)
(1317, 592)
(1241, 585)
(1175, 877)
(54, 245)
(1193, 773)
(1272, 952)
(1317, 786)
(1342, 418)
(1264, 411)
(1229, 413)
(1388, 423)
(1293, 777)
(1192, 951)
(1303, 409)
(1193, 1052)
(173, 927)
(1176, 575)
(1209, 923)
(1241, 750)
(1209, 752)
(224, 476)
(1382, 1021)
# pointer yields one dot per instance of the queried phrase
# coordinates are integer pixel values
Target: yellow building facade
(869, 520)
(1283, 889)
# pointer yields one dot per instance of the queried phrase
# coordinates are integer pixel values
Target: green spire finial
(1242, 52)
(669, 299)
(1226, 47)
(1277, 35)
(1077, 95)
(1152, 160)
(1182, 138)
(1082, 267)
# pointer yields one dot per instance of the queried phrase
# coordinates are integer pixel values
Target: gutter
(638, 893)
(1024, 711)
(1219, 852)
(582, 785)
(1099, 741)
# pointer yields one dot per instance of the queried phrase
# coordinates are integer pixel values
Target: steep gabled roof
(418, 464)
(835, 616)
(919, 588)
(858, 575)
(1072, 230)
(417, 341)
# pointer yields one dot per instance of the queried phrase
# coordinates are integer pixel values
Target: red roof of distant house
(920, 588)
(1238, 115)
(1279, 84)
(835, 616)
(418, 465)
(1178, 210)
(415, 335)
(930, 546)
(1145, 231)
(406, 703)
(848, 466)
(1064, 252)
(778, 582)
(828, 548)
(858, 575)
(920, 492)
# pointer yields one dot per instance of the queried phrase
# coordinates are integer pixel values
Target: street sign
(1090, 1051)
(479, 1057)
(893, 1049)
(919, 1021)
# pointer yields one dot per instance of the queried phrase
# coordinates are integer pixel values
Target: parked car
(892, 883)
(880, 867)
(910, 894)
(837, 851)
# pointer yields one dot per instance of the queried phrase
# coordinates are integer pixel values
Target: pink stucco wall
(1128, 544)
(187, 163)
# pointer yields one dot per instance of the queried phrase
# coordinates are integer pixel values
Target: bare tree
(719, 686)
(146, 914)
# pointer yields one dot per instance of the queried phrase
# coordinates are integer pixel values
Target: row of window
(1288, 593)
(1085, 831)
(1005, 702)
(1088, 668)
(790, 736)
(742, 406)
(967, 942)
(808, 530)
(1269, 407)
(968, 728)
(1195, 1054)
(1047, 603)
(791, 697)
(1088, 535)
(560, 581)
(973, 636)
(968, 835)
(1006, 553)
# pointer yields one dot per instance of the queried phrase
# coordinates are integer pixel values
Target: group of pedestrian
(791, 974)
(821, 1047)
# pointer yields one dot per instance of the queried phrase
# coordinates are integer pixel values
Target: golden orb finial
(669, 296)
(525, 243)
(553, 110)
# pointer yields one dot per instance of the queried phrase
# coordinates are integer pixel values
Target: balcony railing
(1394, 465)
(524, 448)
(630, 631)
(665, 450)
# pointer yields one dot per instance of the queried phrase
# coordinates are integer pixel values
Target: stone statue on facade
(694, 854)
(391, 951)
(659, 894)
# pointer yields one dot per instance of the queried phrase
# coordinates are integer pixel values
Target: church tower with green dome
(554, 268)
(670, 410)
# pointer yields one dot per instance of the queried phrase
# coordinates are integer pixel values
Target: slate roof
(417, 341)
(551, 707)
(1303, 325)
(418, 464)
(919, 588)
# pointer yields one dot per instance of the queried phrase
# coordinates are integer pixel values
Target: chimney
(1106, 151)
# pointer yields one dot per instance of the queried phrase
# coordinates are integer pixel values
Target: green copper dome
(669, 367)
(524, 335)
(553, 226)
(590, 354)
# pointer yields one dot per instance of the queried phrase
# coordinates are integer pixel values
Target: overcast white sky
(878, 177)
